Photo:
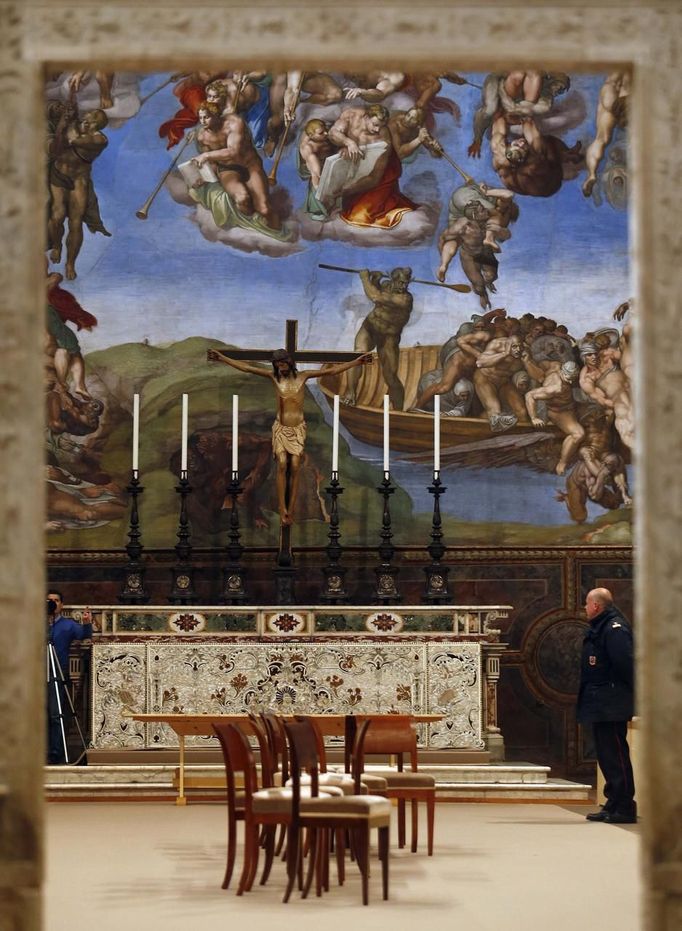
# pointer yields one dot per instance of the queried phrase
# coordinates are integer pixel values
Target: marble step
(453, 781)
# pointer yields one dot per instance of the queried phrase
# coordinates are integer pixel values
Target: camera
(51, 606)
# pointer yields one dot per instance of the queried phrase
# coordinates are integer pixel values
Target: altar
(440, 662)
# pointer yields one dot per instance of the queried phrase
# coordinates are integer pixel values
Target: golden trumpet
(143, 212)
(272, 177)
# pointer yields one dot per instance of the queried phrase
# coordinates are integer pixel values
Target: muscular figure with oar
(289, 428)
(384, 324)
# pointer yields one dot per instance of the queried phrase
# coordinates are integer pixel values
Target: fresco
(468, 229)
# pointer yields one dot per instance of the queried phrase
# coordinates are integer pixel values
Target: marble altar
(440, 660)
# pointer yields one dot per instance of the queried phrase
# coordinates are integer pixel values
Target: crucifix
(289, 428)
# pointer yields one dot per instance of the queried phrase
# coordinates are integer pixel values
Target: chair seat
(370, 781)
(374, 783)
(275, 801)
(343, 781)
(407, 780)
(372, 807)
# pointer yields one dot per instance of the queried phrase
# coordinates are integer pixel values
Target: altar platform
(149, 781)
(439, 663)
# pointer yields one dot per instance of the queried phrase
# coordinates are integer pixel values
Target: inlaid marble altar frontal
(335, 676)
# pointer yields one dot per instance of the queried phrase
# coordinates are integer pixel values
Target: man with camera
(61, 632)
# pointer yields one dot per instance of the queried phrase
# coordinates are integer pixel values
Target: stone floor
(521, 867)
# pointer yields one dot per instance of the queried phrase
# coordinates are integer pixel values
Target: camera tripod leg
(55, 679)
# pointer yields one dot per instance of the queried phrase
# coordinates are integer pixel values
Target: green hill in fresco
(161, 374)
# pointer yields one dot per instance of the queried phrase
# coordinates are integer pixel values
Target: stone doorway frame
(573, 35)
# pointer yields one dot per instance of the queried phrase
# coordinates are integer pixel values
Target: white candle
(183, 460)
(436, 434)
(386, 429)
(235, 432)
(335, 436)
(136, 433)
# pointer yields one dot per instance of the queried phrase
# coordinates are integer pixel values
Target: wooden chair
(273, 725)
(240, 761)
(394, 735)
(258, 809)
(345, 781)
(357, 814)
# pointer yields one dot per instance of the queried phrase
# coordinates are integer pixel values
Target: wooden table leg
(181, 799)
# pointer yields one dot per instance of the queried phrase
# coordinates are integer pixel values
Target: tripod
(58, 704)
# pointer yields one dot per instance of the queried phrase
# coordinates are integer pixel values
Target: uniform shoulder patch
(615, 624)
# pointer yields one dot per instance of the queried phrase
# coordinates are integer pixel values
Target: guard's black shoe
(617, 817)
(601, 815)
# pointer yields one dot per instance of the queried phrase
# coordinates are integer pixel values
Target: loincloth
(288, 439)
(242, 173)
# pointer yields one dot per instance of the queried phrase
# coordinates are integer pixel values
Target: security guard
(606, 701)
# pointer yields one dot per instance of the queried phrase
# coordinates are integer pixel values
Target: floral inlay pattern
(187, 622)
(286, 622)
(384, 622)
(363, 676)
(403, 693)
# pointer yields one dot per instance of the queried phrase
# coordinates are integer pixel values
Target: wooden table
(201, 725)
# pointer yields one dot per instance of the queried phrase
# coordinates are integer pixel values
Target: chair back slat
(350, 728)
(266, 762)
(392, 735)
(319, 740)
(304, 758)
(239, 759)
(278, 743)
(357, 753)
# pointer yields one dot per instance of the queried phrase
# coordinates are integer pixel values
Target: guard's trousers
(613, 756)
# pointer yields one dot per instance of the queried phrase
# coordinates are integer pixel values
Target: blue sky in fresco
(160, 278)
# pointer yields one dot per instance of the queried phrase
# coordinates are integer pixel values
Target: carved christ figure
(289, 428)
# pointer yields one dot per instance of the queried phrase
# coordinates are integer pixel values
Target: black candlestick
(386, 591)
(234, 591)
(285, 571)
(133, 590)
(436, 591)
(182, 588)
(334, 591)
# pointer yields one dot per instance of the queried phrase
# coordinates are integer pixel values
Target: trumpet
(272, 177)
(156, 90)
(143, 212)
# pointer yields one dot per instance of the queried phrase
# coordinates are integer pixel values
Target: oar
(461, 288)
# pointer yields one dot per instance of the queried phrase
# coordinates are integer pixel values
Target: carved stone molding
(476, 36)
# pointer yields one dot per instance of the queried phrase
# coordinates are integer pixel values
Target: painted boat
(412, 431)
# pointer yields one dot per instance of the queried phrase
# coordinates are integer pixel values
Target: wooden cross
(285, 571)
(298, 355)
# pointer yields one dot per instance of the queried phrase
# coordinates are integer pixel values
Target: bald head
(596, 601)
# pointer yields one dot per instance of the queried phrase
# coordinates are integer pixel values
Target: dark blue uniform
(61, 634)
(606, 701)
